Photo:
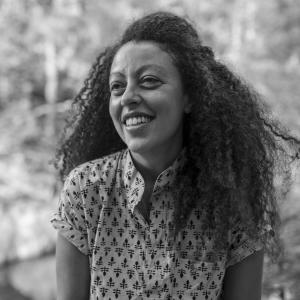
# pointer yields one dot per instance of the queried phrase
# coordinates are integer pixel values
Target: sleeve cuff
(247, 248)
(73, 235)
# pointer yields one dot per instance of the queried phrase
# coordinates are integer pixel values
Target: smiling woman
(169, 190)
(147, 96)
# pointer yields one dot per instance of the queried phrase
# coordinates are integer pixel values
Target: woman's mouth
(136, 121)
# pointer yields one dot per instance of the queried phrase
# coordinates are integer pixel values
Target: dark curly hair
(235, 150)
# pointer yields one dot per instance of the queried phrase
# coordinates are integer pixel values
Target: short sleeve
(241, 246)
(69, 219)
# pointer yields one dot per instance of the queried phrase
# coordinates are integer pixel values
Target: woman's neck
(150, 165)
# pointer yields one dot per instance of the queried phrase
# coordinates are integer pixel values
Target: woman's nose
(130, 95)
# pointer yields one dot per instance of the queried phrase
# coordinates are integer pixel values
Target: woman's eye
(149, 81)
(116, 87)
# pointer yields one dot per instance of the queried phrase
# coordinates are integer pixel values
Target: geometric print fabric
(129, 257)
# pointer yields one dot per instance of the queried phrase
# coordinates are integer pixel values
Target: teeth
(137, 121)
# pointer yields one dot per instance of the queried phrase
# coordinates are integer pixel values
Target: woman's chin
(137, 148)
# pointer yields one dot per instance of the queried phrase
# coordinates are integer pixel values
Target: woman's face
(147, 100)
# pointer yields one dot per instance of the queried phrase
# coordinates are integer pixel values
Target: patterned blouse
(129, 257)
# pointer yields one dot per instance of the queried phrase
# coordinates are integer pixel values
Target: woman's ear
(187, 104)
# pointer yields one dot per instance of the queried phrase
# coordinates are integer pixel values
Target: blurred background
(46, 50)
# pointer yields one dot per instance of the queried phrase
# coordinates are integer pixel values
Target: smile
(136, 121)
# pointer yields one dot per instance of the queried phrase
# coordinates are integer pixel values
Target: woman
(170, 164)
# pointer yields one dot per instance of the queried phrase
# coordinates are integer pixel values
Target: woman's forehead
(136, 55)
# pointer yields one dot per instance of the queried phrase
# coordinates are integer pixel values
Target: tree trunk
(51, 86)
(237, 29)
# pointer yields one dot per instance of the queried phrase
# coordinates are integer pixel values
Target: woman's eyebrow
(117, 73)
(141, 69)
(150, 66)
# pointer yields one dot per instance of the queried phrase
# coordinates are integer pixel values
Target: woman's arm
(243, 280)
(72, 271)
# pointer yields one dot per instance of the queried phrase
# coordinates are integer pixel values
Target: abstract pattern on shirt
(130, 258)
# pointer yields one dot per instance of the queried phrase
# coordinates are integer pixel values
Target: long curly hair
(236, 152)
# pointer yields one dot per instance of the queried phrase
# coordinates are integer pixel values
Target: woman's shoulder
(97, 167)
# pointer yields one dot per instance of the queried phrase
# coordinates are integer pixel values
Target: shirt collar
(134, 183)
